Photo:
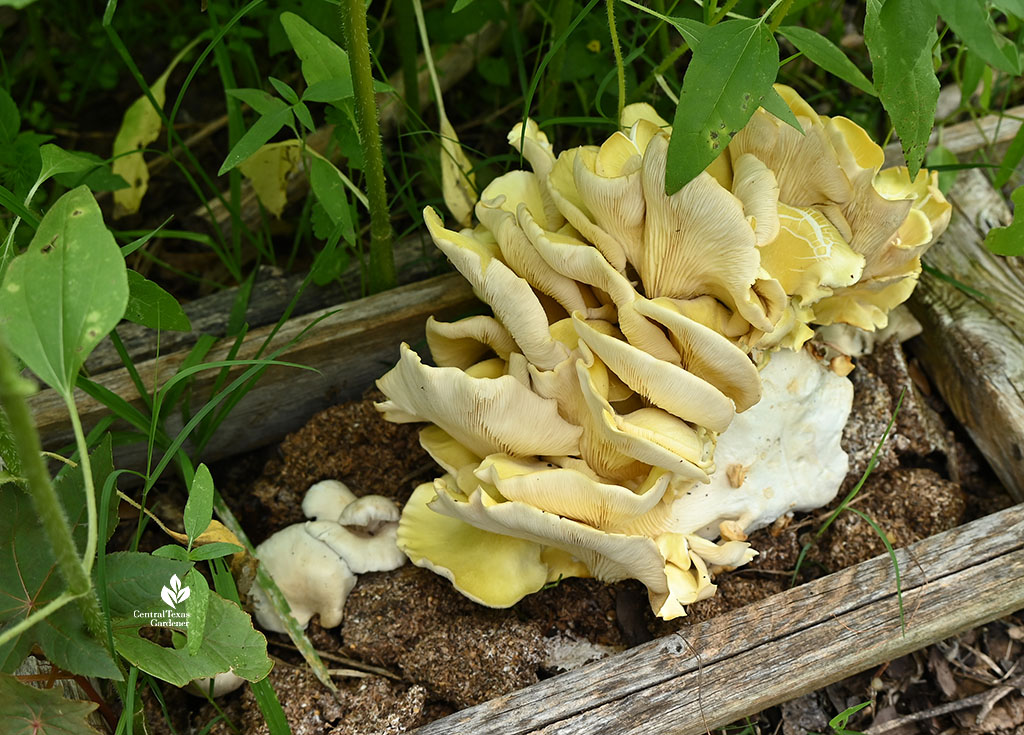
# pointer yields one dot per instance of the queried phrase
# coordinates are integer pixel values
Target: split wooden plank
(972, 347)
(739, 663)
(967, 136)
(349, 346)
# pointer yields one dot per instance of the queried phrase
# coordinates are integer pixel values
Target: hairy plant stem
(619, 67)
(382, 259)
(13, 390)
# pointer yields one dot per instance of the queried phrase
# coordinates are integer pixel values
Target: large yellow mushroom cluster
(625, 323)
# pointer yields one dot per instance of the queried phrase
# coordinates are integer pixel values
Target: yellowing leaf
(140, 126)
(268, 169)
(458, 184)
(214, 533)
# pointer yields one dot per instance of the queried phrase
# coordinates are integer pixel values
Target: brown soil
(444, 652)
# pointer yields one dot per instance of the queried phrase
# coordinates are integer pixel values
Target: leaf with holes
(66, 292)
(25, 710)
(900, 35)
(29, 578)
(229, 642)
(731, 73)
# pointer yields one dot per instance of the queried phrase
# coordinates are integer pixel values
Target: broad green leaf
(26, 710)
(940, 155)
(729, 77)
(1013, 156)
(970, 20)
(29, 577)
(229, 641)
(98, 176)
(827, 55)
(322, 59)
(269, 168)
(213, 551)
(328, 90)
(140, 126)
(906, 85)
(197, 604)
(263, 102)
(172, 551)
(329, 190)
(1010, 7)
(255, 137)
(10, 118)
(1009, 240)
(970, 77)
(66, 292)
(461, 4)
(20, 162)
(199, 507)
(151, 306)
(56, 160)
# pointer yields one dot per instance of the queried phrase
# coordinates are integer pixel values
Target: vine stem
(382, 259)
(617, 49)
(13, 389)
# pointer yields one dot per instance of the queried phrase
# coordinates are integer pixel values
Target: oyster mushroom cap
(784, 453)
(325, 500)
(312, 578)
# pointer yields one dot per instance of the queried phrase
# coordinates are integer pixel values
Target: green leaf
(255, 137)
(322, 58)
(304, 116)
(199, 507)
(838, 723)
(55, 160)
(151, 306)
(940, 155)
(98, 177)
(777, 106)
(196, 605)
(328, 90)
(29, 578)
(229, 641)
(172, 551)
(286, 92)
(26, 710)
(906, 83)
(1013, 156)
(263, 102)
(1010, 7)
(1009, 240)
(212, 551)
(461, 4)
(970, 20)
(729, 77)
(10, 118)
(66, 293)
(827, 55)
(330, 193)
(970, 77)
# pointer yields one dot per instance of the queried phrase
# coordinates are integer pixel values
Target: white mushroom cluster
(315, 564)
(577, 426)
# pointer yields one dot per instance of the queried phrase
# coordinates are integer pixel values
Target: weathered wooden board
(350, 346)
(967, 136)
(972, 346)
(737, 664)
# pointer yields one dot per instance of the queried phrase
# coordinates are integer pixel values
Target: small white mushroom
(315, 563)
(222, 684)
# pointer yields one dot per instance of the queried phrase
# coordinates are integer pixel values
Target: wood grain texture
(739, 663)
(972, 347)
(350, 346)
(967, 136)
